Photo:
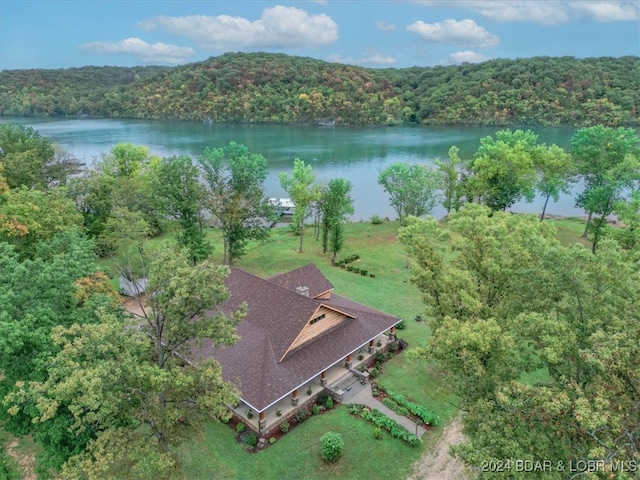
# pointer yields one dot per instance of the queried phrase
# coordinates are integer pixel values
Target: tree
(235, 196)
(504, 168)
(301, 187)
(177, 186)
(555, 167)
(607, 159)
(59, 286)
(130, 384)
(508, 299)
(412, 189)
(451, 180)
(28, 216)
(334, 205)
(24, 155)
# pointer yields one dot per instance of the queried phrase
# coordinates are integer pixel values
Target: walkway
(361, 394)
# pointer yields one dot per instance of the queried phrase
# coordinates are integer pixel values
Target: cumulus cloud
(545, 12)
(463, 32)
(143, 51)
(606, 11)
(279, 27)
(467, 56)
(385, 27)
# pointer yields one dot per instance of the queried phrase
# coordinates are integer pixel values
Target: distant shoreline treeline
(277, 88)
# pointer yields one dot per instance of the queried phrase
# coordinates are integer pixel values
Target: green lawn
(297, 455)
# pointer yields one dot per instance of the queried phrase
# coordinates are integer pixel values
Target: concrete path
(361, 394)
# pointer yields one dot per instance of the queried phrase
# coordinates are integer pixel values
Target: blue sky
(395, 33)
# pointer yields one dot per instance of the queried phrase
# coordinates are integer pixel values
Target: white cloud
(385, 27)
(467, 56)
(143, 51)
(278, 27)
(606, 11)
(463, 32)
(545, 12)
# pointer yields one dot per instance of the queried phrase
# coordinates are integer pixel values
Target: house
(297, 334)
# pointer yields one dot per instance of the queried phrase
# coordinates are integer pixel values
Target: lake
(355, 153)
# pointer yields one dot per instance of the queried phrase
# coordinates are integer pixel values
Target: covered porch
(336, 377)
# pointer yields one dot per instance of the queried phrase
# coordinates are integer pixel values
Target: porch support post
(294, 398)
(392, 334)
(371, 348)
(323, 378)
(348, 362)
(262, 422)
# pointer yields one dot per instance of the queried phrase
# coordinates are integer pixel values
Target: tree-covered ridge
(277, 88)
(65, 91)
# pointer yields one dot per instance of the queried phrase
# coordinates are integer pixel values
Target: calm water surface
(356, 153)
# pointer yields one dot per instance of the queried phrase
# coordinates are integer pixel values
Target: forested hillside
(260, 87)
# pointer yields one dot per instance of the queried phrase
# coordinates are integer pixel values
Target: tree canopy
(413, 189)
(276, 88)
(235, 196)
(508, 301)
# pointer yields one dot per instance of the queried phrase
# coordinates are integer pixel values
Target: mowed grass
(297, 454)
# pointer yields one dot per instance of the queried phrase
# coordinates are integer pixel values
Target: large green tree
(608, 160)
(28, 216)
(452, 180)
(181, 194)
(504, 168)
(24, 155)
(507, 300)
(59, 286)
(413, 189)
(301, 186)
(235, 196)
(137, 384)
(555, 171)
(334, 205)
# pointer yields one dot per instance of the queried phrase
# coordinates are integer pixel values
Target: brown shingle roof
(309, 276)
(275, 317)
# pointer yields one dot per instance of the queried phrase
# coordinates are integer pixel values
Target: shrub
(355, 269)
(374, 373)
(376, 219)
(302, 415)
(321, 399)
(252, 439)
(315, 409)
(401, 325)
(392, 347)
(377, 433)
(380, 357)
(379, 419)
(272, 440)
(240, 427)
(372, 275)
(331, 446)
(364, 272)
(329, 403)
(349, 268)
(284, 426)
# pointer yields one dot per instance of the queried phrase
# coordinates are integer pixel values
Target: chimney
(303, 290)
